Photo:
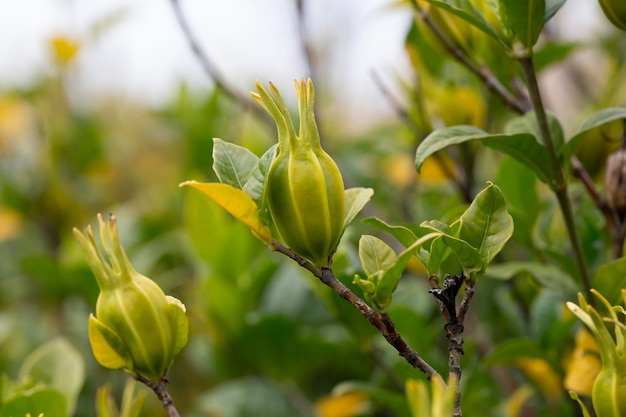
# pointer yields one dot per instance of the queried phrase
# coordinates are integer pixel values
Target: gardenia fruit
(137, 327)
(304, 188)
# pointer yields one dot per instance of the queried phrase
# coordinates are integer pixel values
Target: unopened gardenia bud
(304, 188)
(609, 388)
(136, 327)
(615, 181)
(615, 11)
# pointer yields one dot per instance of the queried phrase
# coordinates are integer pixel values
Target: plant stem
(381, 321)
(559, 186)
(161, 392)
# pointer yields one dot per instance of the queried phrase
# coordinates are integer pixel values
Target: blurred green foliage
(266, 339)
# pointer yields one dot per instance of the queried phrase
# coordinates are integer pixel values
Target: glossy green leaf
(525, 149)
(487, 225)
(597, 119)
(109, 350)
(383, 268)
(524, 18)
(355, 200)
(437, 253)
(375, 255)
(59, 365)
(468, 256)
(403, 234)
(528, 124)
(519, 186)
(466, 11)
(239, 204)
(180, 323)
(46, 401)
(442, 138)
(232, 163)
(255, 185)
(609, 279)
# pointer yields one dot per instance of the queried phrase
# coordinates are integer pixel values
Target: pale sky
(145, 56)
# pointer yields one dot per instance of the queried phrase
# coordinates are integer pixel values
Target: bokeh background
(104, 108)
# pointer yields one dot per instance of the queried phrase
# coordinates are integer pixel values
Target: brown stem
(381, 321)
(211, 69)
(160, 389)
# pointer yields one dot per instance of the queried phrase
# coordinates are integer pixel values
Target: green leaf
(548, 276)
(355, 200)
(524, 18)
(239, 204)
(255, 185)
(403, 234)
(528, 124)
(442, 138)
(375, 255)
(468, 256)
(552, 53)
(466, 11)
(46, 401)
(232, 163)
(519, 186)
(525, 149)
(180, 323)
(59, 365)
(609, 279)
(597, 119)
(439, 251)
(510, 351)
(552, 6)
(486, 224)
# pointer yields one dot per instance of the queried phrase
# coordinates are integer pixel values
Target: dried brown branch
(161, 392)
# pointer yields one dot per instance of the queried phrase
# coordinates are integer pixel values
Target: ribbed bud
(136, 327)
(304, 188)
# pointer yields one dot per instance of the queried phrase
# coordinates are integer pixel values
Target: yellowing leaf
(239, 204)
(541, 374)
(348, 404)
(583, 365)
(108, 349)
(513, 405)
(64, 49)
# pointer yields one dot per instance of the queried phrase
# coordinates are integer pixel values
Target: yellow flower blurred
(349, 404)
(540, 372)
(432, 169)
(399, 169)
(15, 119)
(584, 364)
(64, 49)
(10, 224)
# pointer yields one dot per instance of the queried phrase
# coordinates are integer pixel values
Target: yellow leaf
(348, 404)
(540, 372)
(513, 405)
(584, 364)
(239, 204)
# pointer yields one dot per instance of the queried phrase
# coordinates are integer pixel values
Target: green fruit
(137, 327)
(304, 188)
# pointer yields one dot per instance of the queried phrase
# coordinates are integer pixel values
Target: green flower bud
(609, 389)
(615, 11)
(136, 327)
(304, 188)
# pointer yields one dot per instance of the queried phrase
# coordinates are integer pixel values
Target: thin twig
(481, 71)
(160, 389)
(403, 114)
(382, 322)
(211, 69)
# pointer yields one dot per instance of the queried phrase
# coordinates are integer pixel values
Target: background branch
(211, 69)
